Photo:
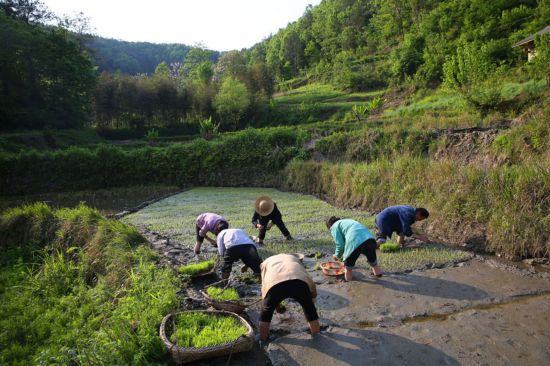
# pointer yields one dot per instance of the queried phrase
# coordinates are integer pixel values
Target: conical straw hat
(264, 205)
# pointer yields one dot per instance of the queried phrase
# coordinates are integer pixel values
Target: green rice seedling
(203, 330)
(196, 268)
(228, 294)
(389, 247)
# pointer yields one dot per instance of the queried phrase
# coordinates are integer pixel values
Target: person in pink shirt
(205, 223)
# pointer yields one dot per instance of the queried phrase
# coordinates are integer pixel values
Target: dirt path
(478, 312)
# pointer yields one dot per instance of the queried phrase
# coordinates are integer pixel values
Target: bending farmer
(205, 223)
(265, 211)
(235, 244)
(353, 239)
(399, 219)
(283, 277)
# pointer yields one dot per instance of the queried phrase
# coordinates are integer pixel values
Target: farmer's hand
(258, 226)
(401, 239)
(423, 238)
(212, 241)
(269, 226)
(335, 258)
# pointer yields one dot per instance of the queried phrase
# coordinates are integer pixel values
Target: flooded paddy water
(438, 306)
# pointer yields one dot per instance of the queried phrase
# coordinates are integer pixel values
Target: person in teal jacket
(353, 239)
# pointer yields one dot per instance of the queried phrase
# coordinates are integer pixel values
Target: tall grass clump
(79, 289)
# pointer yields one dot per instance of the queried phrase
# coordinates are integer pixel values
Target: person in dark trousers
(205, 223)
(265, 215)
(353, 239)
(283, 277)
(234, 245)
(399, 219)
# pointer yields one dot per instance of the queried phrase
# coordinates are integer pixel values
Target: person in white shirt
(235, 244)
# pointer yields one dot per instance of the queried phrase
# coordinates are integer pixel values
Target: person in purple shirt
(207, 222)
(399, 219)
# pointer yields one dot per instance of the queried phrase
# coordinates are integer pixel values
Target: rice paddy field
(304, 216)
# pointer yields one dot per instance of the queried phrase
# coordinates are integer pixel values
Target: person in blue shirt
(353, 239)
(399, 219)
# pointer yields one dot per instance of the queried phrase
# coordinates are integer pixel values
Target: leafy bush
(472, 73)
(208, 128)
(229, 160)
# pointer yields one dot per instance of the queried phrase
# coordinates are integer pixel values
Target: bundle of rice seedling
(389, 247)
(197, 268)
(199, 334)
(228, 294)
(202, 330)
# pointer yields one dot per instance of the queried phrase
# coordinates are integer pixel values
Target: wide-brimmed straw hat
(264, 205)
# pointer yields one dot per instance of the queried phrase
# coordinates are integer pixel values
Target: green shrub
(203, 330)
(223, 294)
(228, 160)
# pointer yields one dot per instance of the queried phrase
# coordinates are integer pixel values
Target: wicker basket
(183, 355)
(227, 305)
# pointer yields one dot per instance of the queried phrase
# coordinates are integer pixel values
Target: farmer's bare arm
(212, 241)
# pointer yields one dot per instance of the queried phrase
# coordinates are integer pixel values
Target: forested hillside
(360, 44)
(136, 57)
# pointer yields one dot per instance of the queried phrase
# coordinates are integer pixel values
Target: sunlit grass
(304, 216)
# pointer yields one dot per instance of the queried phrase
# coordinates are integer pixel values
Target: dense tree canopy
(360, 44)
(45, 81)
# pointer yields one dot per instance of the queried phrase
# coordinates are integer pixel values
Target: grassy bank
(78, 289)
(106, 201)
(508, 207)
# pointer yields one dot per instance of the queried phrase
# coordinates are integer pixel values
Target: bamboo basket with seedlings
(199, 334)
(225, 298)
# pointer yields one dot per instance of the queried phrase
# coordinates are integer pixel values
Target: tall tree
(232, 101)
(29, 11)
